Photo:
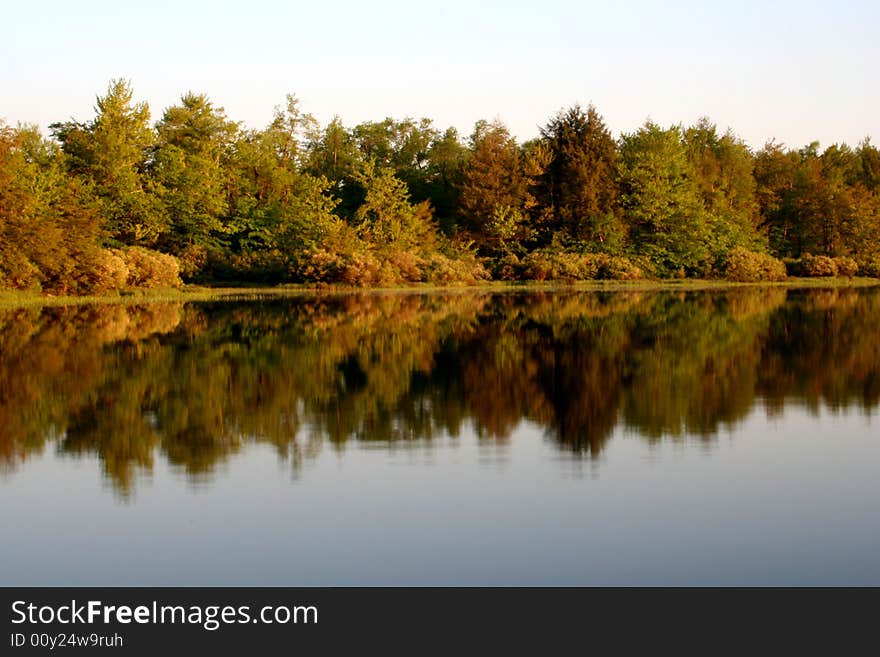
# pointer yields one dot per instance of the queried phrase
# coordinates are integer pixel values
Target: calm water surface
(471, 438)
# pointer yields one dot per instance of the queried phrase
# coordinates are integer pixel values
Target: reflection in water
(194, 383)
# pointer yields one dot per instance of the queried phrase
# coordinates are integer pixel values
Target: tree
(110, 152)
(49, 226)
(661, 200)
(578, 184)
(387, 218)
(333, 154)
(724, 169)
(775, 172)
(494, 178)
(188, 163)
(263, 172)
(443, 176)
(869, 156)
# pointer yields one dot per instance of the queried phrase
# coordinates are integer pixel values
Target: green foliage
(723, 168)
(111, 153)
(387, 217)
(662, 203)
(869, 165)
(819, 203)
(748, 266)
(189, 166)
(774, 172)
(333, 154)
(510, 230)
(443, 176)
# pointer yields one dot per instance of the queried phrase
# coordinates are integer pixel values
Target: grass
(17, 299)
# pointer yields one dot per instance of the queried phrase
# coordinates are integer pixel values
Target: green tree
(812, 201)
(188, 163)
(388, 218)
(402, 146)
(263, 171)
(111, 153)
(333, 154)
(661, 200)
(724, 168)
(443, 176)
(775, 173)
(869, 156)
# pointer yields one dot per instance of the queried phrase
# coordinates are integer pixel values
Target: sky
(792, 71)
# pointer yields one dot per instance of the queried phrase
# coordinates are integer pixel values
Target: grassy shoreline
(16, 299)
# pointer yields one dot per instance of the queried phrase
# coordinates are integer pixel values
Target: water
(470, 438)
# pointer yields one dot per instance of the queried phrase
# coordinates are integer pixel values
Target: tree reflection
(195, 383)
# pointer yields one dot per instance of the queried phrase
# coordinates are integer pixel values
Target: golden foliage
(743, 265)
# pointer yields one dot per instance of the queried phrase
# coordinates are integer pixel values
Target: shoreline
(197, 293)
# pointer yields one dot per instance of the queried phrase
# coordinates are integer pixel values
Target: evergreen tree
(494, 178)
(111, 153)
(578, 184)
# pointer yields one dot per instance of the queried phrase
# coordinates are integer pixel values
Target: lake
(462, 438)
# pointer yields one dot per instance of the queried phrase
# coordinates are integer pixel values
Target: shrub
(820, 266)
(621, 269)
(149, 269)
(108, 272)
(407, 266)
(846, 266)
(316, 265)
(537, 266)
(466, 269)
(508, 268)
(563, 265)
(363, 270)
(812, 266)
(18, 272)
(192, 259)
(749, 266)
(869, 266)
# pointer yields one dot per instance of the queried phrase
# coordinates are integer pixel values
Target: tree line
(119, 201)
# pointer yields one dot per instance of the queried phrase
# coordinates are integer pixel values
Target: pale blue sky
(796, 71)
